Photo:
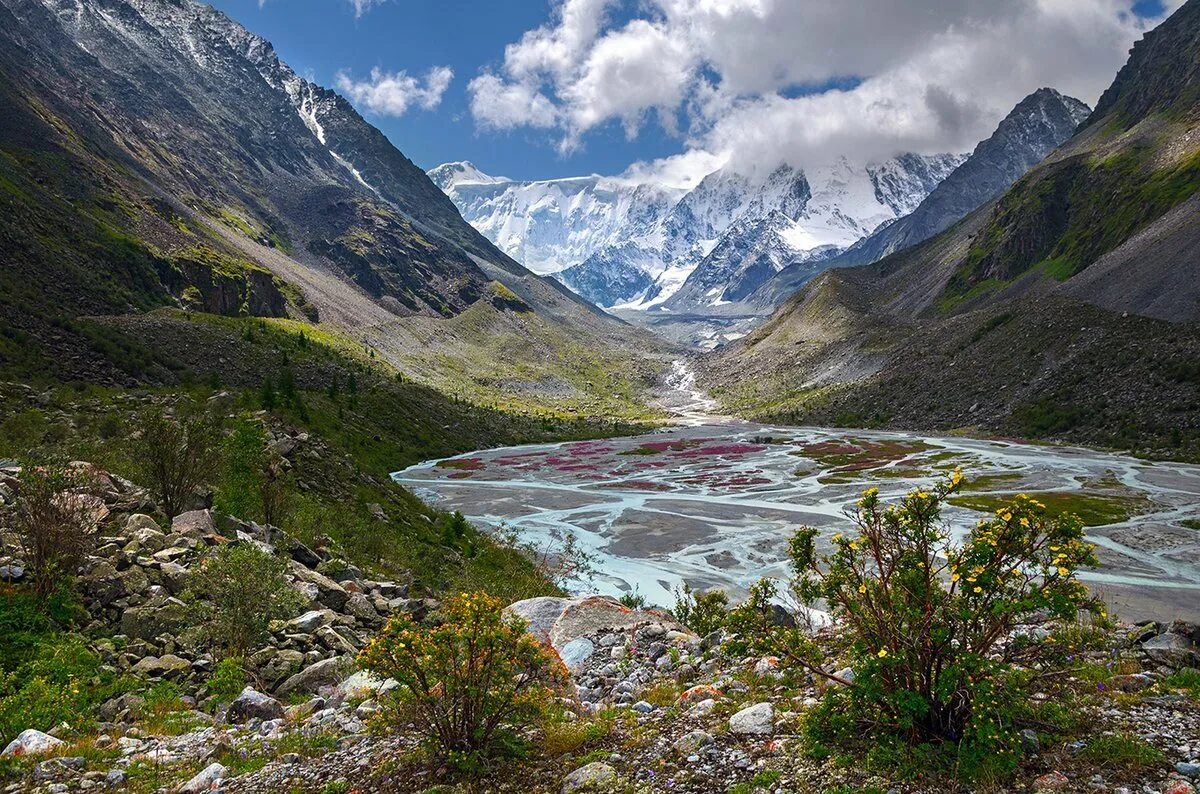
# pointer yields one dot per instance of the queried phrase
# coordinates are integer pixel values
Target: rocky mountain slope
(643, 244)
(157, 153)
(1067, 307)
(1035, 127)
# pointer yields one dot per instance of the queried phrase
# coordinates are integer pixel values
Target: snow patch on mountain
(626, 244)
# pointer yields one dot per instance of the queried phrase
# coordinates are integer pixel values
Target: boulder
(208, 779)
(1053, 781)
(148, 622)
(329, 592)
(597, 776)
(31, 742)
(168, 664)
(1172, 650)
(561, 621)
(364, 685)
(195, 524)
(11, 573)
(360, 607)
(692, 743)
(756, 720)
(327, 672)
(252, 703)
(576, 653)
(309, 621)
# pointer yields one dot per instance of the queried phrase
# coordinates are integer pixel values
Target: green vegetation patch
(1093, 509)
(860, 455)
(1065, 216)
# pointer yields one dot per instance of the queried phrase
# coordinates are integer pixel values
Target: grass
(1094, 509)
(762, 780)
(1113, 751)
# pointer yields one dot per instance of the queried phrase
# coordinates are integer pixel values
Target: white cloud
(749, 77)
(501, 105)
(363, 6)
(393, 93)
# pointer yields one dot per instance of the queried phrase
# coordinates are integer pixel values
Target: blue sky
(318, 38)
(589, 87)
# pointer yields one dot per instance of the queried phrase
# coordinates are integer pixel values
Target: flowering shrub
(466, 681)
(940, 634)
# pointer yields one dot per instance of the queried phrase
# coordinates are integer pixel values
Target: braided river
(712, 502)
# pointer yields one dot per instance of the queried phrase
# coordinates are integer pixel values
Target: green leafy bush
(59, 680)
(939, 634)
(703, 613)
(237, 592)
(243, 459)
(228, 679)
(633, 600)
(466, 681)
(175, 457)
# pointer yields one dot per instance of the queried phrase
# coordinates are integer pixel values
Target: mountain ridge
(1066, 307)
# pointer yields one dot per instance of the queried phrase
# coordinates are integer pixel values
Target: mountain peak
(462, 172)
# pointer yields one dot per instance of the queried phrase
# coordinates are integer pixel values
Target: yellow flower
(1063, 571)
(882, 653)
(836, 538)
(871, 492)
(862, 588)
(978, 589)
(954, 577)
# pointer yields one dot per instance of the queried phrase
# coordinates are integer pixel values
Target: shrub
(56, 521)
(703, 613)
(228, 679)
(936, 631)
(238, 591)
(633, 599)
(175, 457)
(61, 680)
(467, 680)
(243, 459)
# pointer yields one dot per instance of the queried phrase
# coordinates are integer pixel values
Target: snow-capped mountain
(1033, 129)
(645, 245)
(551, 225)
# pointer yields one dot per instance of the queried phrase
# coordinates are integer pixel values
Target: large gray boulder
(31, 742)
(207, 779)
(756, 720)
(566, 624)
(252, 703)
(327, 672)
(1172, 650)
(329, 592)
(195, 524)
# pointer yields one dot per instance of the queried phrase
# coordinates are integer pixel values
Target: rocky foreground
(654, 708)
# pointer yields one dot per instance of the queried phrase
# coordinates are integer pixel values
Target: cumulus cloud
(750, 79)
(393, 93)
(501, 105)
